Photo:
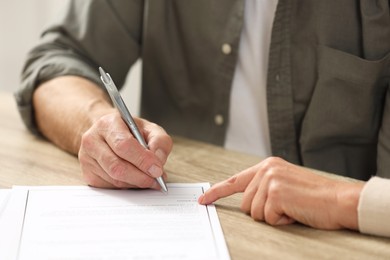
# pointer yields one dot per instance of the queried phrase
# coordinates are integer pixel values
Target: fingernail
(282, 221)
(155, 171)
(160, 155)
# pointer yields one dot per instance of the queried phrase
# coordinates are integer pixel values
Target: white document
(4, 195)
(80, 222)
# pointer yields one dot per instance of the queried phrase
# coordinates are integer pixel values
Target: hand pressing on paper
(281, 193)
(111, 157)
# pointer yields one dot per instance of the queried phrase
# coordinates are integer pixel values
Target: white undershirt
(248, 120)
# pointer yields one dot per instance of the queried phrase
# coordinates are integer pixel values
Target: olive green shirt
(328, 81)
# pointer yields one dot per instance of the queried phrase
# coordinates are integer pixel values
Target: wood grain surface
(29, 160)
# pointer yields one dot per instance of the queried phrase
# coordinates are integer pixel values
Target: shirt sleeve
(85, 35)
(374, 207)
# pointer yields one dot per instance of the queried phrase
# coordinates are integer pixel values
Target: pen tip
(162, 184)
(164, 189)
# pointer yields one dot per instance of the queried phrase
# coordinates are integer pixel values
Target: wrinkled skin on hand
(280, 193)
(111, 157)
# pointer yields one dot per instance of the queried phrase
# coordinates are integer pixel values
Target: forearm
(65, 107)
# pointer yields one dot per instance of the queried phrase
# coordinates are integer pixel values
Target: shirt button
(226, 48)
(218, 120)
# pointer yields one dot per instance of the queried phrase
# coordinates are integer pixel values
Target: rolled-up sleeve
(88, 34)
(374, 207)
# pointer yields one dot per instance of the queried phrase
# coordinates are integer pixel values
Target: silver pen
(125, 114)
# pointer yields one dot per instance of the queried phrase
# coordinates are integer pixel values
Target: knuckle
(271, 174)
(273, 168)
(271, 162)
(87, 141)
(105, 121)
(232, 179)
(275, 185)
(120, 142)
(116, 169)
(233, 182)
(153, 125)
(102, 125)
(275, 193)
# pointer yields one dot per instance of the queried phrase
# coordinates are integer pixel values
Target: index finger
(236, 183)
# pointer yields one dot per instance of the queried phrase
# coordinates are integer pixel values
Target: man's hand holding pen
(111, 157)
(119, 151)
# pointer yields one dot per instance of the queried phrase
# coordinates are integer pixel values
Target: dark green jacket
(328, 82)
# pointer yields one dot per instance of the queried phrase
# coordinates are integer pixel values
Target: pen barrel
(125, 114)
(137, 134)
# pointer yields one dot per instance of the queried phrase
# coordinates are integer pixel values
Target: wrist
(66, 107)
(92, 111)
(348, 195)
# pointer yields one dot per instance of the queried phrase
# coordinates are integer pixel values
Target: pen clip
(117, 100)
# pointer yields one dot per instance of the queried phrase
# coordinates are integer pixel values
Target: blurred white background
(21, 22)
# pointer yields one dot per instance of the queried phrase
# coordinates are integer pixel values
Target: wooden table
(29, 160)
